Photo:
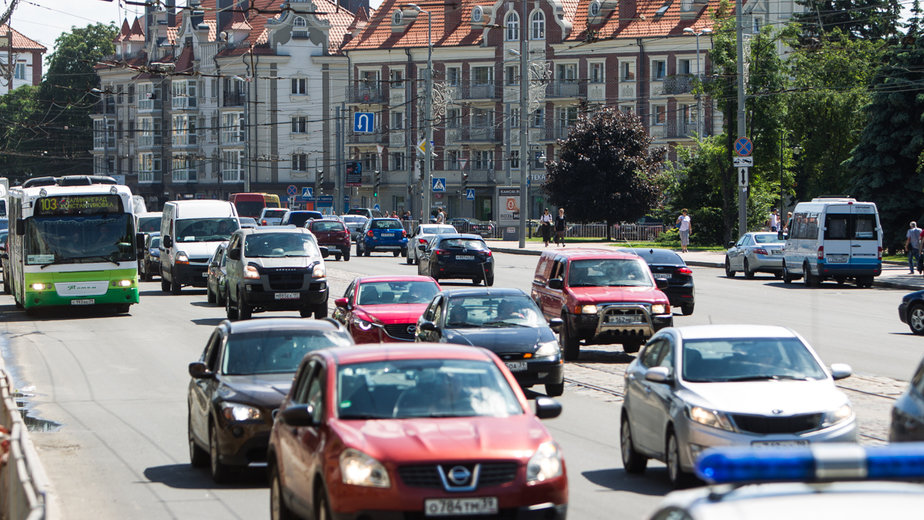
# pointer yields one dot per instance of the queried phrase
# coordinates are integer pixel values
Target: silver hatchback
(702, 386)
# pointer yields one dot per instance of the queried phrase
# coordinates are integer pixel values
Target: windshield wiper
(97, 257)
(764, 378)
(502, 324)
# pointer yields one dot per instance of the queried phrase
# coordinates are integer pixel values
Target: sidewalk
(894, 275)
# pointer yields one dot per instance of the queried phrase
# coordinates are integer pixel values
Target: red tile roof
(20, 42)
(457, 31)
(645, 24)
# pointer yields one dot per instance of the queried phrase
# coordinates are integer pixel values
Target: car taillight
(879, 253)
(821, 252)
(761, 251)
(421, 240)
(684, 270)
(403, 233)
(440, 252)
(487, 253)
(369, 233)
(263, 222)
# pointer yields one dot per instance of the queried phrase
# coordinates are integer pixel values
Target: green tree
(858, 19)
(20, 114)
(606, 169)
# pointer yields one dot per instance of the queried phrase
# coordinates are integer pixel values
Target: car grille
(626, 315)
(286, 280)
(403, 331)
(765, 425)
(428, 476)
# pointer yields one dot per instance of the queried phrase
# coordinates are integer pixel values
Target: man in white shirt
(685, 226)
(913, 246)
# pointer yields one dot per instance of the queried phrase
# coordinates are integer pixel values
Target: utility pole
(524, 120)
(742, 131)
(428, 115)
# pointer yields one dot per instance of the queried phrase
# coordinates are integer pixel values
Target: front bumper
(79, 288)
(260, 294)
(903, 311)
(195, 274)
(595, 328)
(538, 372)
(244, 444)
(543, 511)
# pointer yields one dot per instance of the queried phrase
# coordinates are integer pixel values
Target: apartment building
(20, 60)
(222, 96)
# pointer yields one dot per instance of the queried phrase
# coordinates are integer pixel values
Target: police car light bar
(818, 463)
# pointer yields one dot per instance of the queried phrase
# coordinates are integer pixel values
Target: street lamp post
(699, 76)
(524, 117)
(428, 115)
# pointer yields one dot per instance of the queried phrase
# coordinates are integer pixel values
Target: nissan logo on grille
(459, 475)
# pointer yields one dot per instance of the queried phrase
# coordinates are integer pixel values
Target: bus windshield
(205, 229)
(148, 224)
(75, 239)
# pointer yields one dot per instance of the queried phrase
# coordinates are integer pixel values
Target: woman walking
(545, 226)
(560, 227)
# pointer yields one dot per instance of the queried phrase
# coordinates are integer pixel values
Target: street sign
(307, 192)
(743, 161)
(470, 194)
(420, 147)
(439, 184)
(354, 174)
(364, 122)
(743, 176)
(744, 146)
(292, 190)
(377, 207)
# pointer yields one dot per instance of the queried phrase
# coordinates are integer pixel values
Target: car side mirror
(234, 254)
(840, 371)
(731, 245)
(20, 227)
(661, 283)
(298, 415)
(324, 251)
(167, 241)
(659, 375)
(139, 240)
(556, 283)
(428, 326)
(547, 408)
(555, 324)
(198, 370)
(340, 302)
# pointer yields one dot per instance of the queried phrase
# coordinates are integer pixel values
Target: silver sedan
(422, 236)
(755, 252)
(703, 386)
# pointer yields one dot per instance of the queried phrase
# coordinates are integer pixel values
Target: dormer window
(537, 26)
(299, 28)
(397, 18)
(594, 9)
(512, 25)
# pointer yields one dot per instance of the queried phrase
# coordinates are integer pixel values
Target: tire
(404, 252)
(6, 286)
(631, 347)
(220, 298)
(366, 252)
(175, 287)
(198, 458)
(916, 319)
(787, 278)
(747, 271)
(209, 295)
(489, 280)
(778, 275)
(675, 474)
(221, 473)
(359, 252)
(864, 281)
(322, 507)
(320, 311)
(728, 270)
(554, 389)
(244, 310)
(633, 461)
(164, 285)
(337, 257)
(122, 308)
(230, 310)
(570, 346)
(687, 309)
(278, 508)
(396, 253)
(808, 278)
(306, 312)
(346, 254)
(410, 261)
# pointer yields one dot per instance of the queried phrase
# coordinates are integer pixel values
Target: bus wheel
(122, 308)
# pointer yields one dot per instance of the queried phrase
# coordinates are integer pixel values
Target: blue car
(382, 234)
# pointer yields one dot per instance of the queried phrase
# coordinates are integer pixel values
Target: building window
(453, 118)
(658, 70)
(658, 115)
(484, 160)
(232, 168)
(145, 96)
(148, 165)
(184, 169)
(538, 119)
(567, 72)
(232, 127)
(537, 26)
(512, 75)
(512, 24)
(683, 67)
(514, 159)
(299, 125)
(300, 86)
(20, 71)
(370, 161)
(300, 162)
(103, 133)
(453, 76)
(397, 161)
(397, 120)
(628, 71)
(299, 27)
(596, 73)
(567, 117)
(627, 109)
(148, 132)
(184, 93)
(514, 117)
(396, 78)
(452, 160)
(184, 130)
(482, 75)
(482, 118)
(758, 23)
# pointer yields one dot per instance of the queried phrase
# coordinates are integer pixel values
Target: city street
(116, 385)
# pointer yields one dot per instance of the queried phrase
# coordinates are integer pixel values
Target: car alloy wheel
(675, 473)
(198, 458)
(747, 270)
(633, 461)
(221, 473)
(278, 508)
(916, 319)
(728, 270)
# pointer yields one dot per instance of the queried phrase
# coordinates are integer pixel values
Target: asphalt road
(117, 387)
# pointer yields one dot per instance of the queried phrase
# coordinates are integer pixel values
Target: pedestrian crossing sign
(439, 184)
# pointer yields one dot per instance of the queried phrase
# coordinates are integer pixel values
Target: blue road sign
(307, 192)
(292, 190)
(364, 122)
(439, 184)
(743, 146)
(377, 207)
(470, 194)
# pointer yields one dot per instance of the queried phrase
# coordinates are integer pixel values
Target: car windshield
(464, 243)
(205, 229)
(767, 238)
(322, 226)
(405, 389)
(748, 359)
(155, 242)
(381, 293)
(609, 272)
(386, 224)
(274, 352)
(148, 224)
(354, 219)
(493, 311)
(430, 229)
(274, 213)
(280, 244)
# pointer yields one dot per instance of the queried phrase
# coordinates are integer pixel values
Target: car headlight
(658, 308)
(362, 324)
(181, 258)
(841, 414)
(251, 273)
(38, 286)
(121, 283)
(545, 464)
(360, 469)
(240, 412)
(318, 271)
(710, 418)
(548, 349)
(586, 309)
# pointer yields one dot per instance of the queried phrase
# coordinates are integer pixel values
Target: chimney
(197, 17)
(170, 6)
(627, 12)
(224, 14)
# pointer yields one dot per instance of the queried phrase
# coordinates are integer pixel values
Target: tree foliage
(606, 169)
(857, 19)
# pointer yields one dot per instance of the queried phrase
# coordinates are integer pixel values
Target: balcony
(626, 89)
(478, 133)
(149, 141)
(678, 84)
(233, 99)
(185, 139)
(565, 88)
(184, 103)
(359, 138)
(479, 91)
(365, 94)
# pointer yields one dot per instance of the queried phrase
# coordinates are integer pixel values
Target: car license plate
(205, 275)
(516, 366)
(387, 235)
(837, 259)
(287, 296)
(460, 506)
(776, 251)
(662, 276)
(465, 257)
(621, 319)
(87, 301)
(778, 444)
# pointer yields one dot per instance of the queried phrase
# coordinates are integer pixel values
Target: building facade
(24, 54)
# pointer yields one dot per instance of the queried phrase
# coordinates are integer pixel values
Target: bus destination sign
(77, 205)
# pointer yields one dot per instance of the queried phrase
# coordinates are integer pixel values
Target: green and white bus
(72, 242)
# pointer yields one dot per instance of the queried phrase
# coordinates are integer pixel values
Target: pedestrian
(685, 226)
(394, 214)
(407, 215)
(787, 222)
(440, 217)
(560, 227)
(913, 246)
(774, 220)
(545, 226)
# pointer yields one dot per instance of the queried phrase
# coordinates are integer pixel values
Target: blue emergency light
(818, 463)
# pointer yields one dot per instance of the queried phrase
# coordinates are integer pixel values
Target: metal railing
(677, 84)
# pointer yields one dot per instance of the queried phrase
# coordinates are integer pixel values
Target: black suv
(275, 268)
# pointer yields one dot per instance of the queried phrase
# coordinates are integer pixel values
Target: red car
(384, 308)
(332, 234)
(413, 431)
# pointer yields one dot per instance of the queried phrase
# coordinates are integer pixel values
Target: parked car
(384, 308)
(666, 264)
(271, 216)
(422, 236)
(457, 256)
(602, 296)
(332, 234)
(701, 386)
(504, 321)
(355, 224)
(471, 225)
(216, 289)
(149, 266)
(299, 218)
(248, 222)
(242, 375)
(275, 268)
(755, 252)
(408, 431)
(382, 234)
(908, 411)
(911, 311)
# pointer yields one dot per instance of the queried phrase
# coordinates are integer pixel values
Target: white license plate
(86, 301)
(205, 275)
(837, 259)
(465, 257)
(516, 366)
(387, 235)
(460, 506)
(662, 276)
(776, 251)
(779, 444)
(621, 320)
(287, 296)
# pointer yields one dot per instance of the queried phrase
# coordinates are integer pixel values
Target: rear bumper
(467, 270)
(850, 269)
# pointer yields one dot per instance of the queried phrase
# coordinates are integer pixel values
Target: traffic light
(321, 179)
(378, 180)
(464, 180)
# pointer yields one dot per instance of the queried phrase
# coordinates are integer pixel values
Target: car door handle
(856, 245)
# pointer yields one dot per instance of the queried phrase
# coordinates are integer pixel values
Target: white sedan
(422, 236)
(755, 252)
